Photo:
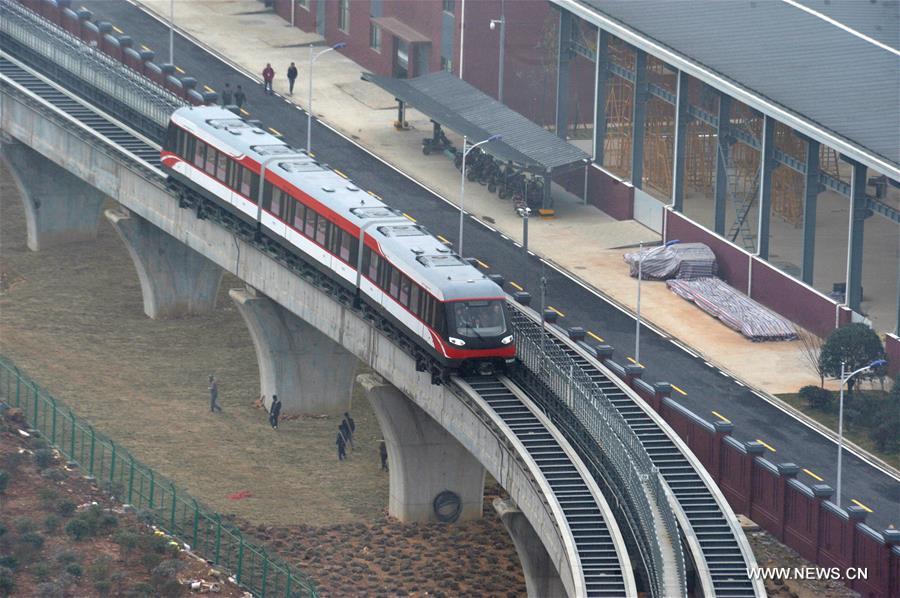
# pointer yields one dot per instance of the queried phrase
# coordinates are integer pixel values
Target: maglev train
(449, 308)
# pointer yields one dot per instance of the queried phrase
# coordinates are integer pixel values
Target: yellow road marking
(768, 446)
(208, 88)
(244, 112)
(117, 30)
(556, 311)
(859, 504)
(678, 389)
(145, 48)
(516, 286)
(482, 264)
(631, 359)
(595, 337)
(444, 240)
(722, 417)
(179, 69)
(276, 131)
(812, 475)
(341, 174)
(313, 155)
(408, 216)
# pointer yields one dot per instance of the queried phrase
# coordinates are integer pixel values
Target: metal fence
(168, 507)
(642, 484)
(86, 64)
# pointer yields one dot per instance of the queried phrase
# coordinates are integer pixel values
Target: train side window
(254, 186)
(289, 206)
(354, 250)
(428, 310)
(440, 321)
(299, 214)
(310, 227)
(182, 143)
(346, 245)
(271, 198)
(200, 155)
(191, 147)
(373, 265)
(171, 138)
(222, 167)
(211, 161)
(394, 288)
(322, 226)
(414, 299)
(404, 291)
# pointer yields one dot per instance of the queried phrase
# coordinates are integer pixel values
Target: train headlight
(506, 339)
(456, 341)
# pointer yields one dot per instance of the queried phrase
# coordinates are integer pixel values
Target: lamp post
(309, 109)
(462, 182)
(844, 379)
(637, 320)
(502, 22)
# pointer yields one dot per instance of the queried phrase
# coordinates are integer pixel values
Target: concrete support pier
(60, 208)
(423, 458)
(309, 372)
(175, 280)
(541, 577)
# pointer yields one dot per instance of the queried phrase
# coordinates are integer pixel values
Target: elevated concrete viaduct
(439, 438)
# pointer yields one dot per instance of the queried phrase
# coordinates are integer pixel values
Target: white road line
(739, 383)
(708, 364)
(519, 245)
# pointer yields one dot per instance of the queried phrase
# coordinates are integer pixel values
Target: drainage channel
(602, 570)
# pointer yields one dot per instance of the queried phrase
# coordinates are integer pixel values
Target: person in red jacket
(268, 75)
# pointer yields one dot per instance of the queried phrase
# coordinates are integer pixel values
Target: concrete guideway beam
(60, 208)
(423, 458)
(175, 280)
(541, 577)
(309, 372)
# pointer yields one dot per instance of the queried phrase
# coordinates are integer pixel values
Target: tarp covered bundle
(734, 309)
(683, 260)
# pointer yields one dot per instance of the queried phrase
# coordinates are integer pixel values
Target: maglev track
(79, 111)
(593, 540)
(718, 544)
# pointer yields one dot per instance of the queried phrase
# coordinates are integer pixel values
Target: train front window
(478, 319)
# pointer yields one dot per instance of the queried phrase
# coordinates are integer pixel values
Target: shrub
(4, 480)
(66, 508)
(100, 568)
(25, 525)
(52, 522)
(41, 571)
(103, 587)
(51, 589)
(9, 561)
(126, 540)
(816, 397)
(43, 458)
(64, 557)
(12, 461)
(140, 590)
(38, 444)
(78, 529)
(47, 496)
(32, 540)
(6, 581)
(164, 578)
(74, 569)
(53, 474)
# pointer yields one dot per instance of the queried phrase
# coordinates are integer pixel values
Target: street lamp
(502, 22)
(462, 182)
(844, 379)
(637, 320)
(309, 109)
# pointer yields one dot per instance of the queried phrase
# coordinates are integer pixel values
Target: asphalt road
(707, 389)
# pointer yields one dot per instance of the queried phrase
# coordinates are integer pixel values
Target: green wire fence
(170, 508)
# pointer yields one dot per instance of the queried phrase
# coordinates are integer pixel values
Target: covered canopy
(455, 104)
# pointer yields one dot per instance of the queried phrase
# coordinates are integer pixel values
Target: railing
(613, 440)
(88, 65)
(167, 506)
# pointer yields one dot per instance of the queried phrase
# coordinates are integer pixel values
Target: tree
(856, 345)
(811, 347)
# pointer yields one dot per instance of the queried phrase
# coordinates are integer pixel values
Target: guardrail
(85, 68)
(170, 508)
(614, 444)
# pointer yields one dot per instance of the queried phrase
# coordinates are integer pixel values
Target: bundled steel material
(734, 309)
(684, 260)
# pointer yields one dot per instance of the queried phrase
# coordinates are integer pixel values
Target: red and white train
(446, 305)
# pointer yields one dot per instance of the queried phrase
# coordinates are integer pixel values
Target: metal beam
(563, 60)
(810, 198)
(858, 213)
(766, 168)
(601, 76)
(723, 144)
(639, 119)
(681, 121)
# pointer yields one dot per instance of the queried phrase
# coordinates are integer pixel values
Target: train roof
(408, 245)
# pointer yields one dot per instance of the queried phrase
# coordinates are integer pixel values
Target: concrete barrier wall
(605, 190)
(892, 351)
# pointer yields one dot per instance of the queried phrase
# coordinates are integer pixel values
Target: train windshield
(478, 319)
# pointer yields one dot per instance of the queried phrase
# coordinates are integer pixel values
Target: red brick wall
(892, 350)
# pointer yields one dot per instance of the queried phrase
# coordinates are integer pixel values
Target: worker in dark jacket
(226, 95)
(268, 75)
(274, 412)
(341, 446)
(239, 96)
(292, 77)
(344, 429)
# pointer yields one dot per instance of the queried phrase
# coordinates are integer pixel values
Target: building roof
(816, 74)
(460, 107)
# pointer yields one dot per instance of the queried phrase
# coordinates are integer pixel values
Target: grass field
(72, 318)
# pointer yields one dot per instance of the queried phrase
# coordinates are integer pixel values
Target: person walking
(383, 452)
(239, 97)
(350, 424)
(274, 412)
(226, 95)
(344, 429)
(268, 76)
(292, 77)
(341, 446)
(213, 394)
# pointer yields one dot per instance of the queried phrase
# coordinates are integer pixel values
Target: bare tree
(811, 346)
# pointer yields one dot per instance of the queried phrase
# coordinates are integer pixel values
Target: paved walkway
(366, 114)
